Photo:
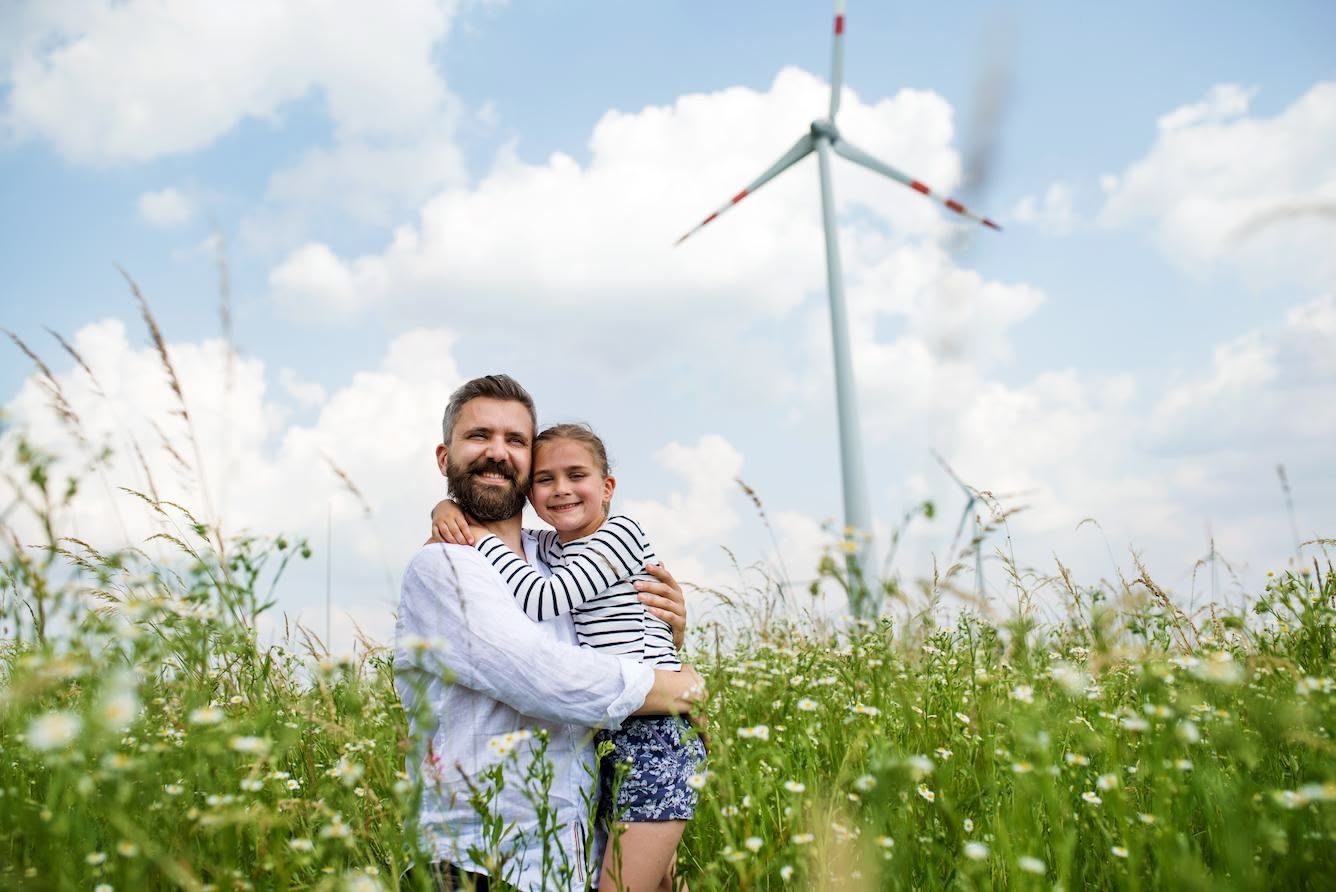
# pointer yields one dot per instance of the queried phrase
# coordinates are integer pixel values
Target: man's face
(488, 458)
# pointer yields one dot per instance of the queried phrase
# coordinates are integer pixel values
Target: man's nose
(496, 449)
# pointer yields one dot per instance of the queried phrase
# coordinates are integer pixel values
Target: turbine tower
(823, 138)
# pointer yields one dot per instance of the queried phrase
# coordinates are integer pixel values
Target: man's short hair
(496, 387)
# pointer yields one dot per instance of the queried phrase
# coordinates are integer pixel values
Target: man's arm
(458, 619)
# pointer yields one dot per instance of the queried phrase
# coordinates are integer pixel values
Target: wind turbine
(823, 138)
(972, 498)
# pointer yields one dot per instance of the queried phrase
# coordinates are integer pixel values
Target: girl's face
(569, 490)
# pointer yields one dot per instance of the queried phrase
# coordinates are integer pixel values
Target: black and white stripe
(592, 580)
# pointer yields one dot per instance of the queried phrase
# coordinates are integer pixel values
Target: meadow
(153, 738)
(151, 741)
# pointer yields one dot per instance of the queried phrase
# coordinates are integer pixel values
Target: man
(486, 689)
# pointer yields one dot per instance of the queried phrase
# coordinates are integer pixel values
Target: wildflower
(95, 858)
(1187, 731)
(116, 761)
(502, 745)
(173, 789)
(1075, 759)
(864, 783)
(943, 753)
(256, 745)
(885, 842)
(126, 849)
(756, 732)
(1070, 678)
(976, 851)
(1107, 782)
(1183, 764)
(336, 829)
(1030, 864)
(301, 844)
(1145, 818)
(101, 887)
(53, 731)
(1219, 668)
(795, 787)
(753, 843)
(696, 781)
(206, 715)
(1092, 797)
(862, 709)
(802, 839)
(927, 794)
(351, 772)
(969, 825)
(1022, 767)
(119, 708)
(1024, 693)
(807, 704)
(252, 784)
(360, 882)
(1134, 723)
(919, 766)
(962, 718)
(786, 872)
(1119, 852)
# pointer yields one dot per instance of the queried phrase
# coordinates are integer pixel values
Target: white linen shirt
(509, 674)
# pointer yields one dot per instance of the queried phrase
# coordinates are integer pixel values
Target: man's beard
(483, 501)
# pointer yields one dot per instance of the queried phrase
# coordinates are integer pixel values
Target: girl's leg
(648, 850)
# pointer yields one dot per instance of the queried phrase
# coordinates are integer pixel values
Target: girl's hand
(450, 525)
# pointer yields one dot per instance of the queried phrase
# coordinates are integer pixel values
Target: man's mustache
(492, 466)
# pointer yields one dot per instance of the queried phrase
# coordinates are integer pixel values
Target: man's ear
(442, 459)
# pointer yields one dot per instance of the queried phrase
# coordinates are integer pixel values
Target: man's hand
(449, 524)
(674, 693)
(665, 600)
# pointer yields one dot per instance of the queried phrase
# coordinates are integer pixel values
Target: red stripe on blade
(919, 187)
(991, 225)
(709, 218)
(839, 24)
(741, 195)
(955, 205)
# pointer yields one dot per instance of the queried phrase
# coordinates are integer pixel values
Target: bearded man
(488, 692)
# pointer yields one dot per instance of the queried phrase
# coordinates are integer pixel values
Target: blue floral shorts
(664, 752)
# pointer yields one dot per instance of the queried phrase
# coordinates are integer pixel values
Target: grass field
(150, 742)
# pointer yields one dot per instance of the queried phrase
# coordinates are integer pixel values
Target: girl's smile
(569, 491)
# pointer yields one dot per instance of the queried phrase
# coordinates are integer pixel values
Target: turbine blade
(837, 60)
(960, 527)
(796, 153)
(858, 156)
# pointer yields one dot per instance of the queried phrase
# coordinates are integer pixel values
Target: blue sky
(416, 194)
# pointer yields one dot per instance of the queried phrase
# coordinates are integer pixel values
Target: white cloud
(1223, 187)
(552, 237)
(304, 393)
(166, 208)
(1053, 212)
(131, 81)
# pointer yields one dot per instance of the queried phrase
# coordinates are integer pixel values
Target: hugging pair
(488, 616)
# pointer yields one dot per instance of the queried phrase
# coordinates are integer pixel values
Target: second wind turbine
(823, 138)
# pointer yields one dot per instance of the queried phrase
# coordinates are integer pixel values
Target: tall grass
(151, 740)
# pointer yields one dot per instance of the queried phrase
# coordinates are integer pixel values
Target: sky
(338, 212)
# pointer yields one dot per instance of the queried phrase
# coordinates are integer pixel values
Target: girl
(594, 559)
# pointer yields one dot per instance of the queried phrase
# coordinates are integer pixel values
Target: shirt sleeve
(616, 552)
(457, 621)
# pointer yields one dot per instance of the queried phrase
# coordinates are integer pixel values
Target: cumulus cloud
(166, 208)
(131, 81)
(109, 82)
(558, 236)
(1221, 186)
(1052, 212)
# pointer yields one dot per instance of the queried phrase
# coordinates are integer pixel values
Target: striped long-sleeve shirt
(592, 581)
